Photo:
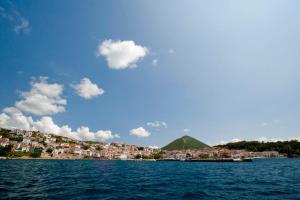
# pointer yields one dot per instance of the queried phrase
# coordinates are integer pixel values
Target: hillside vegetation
(185, 143)
(290, 148)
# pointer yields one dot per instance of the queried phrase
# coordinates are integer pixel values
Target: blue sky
(222, 70)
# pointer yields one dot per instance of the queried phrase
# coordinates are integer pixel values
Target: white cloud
(23, 26)
(157, 124)
(261, 139)
(294, 138)
(46, 125)
(83, 133)
(140, 132)
(12, 118)
(87, 89)
(186, 130)
(235, 140)
(105, 135)
(265, 139)
(121, 54)
(153, 147)
(154, 62)
(231, 141)
(43, 98)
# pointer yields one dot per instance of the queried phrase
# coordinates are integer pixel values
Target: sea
(261, 179)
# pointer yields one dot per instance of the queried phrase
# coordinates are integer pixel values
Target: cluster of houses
(57, 147)
(217, 153)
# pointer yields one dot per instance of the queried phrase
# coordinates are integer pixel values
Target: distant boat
(237, 160)
(152, 160)
(247, 160)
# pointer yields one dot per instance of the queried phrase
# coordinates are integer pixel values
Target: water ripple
(40, 179)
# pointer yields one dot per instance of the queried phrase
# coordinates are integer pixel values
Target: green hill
(184, 143)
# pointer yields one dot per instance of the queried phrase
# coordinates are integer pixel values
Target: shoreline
(143, 160)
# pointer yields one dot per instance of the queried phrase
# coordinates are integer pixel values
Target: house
(122, 156)
(265, 154)
(26, 140)
(25, 147)
(58, 151)
(87, 153)
(27, 133)
(65, 145)
(77, 151)
(4, 141)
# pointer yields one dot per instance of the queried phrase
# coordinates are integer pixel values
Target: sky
(147, 72)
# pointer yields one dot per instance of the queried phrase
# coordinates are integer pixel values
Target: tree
(36, 153)
(290, 148)
(146, 156)
(85, 147)
(49, 150)
(18, 154)
(138, 156)
(99, 148)
(158, 156)
(5, 151)
(4, 133)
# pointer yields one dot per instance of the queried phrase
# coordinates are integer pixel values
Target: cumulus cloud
(105, 135)
(121, 54)
(235, 140)
(46, 125)
(231, 141)
(83, 133)
(43, 98)
(12, 118)
(186, 130)
(140, 132)
(154, 62)
(157, 124)
(265, 139)
(86, 89)
(153, 147)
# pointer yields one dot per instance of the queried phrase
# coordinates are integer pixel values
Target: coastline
(150, 160)
(30, 145)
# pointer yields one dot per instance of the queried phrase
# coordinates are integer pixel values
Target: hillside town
(33, 144)
(49, 146)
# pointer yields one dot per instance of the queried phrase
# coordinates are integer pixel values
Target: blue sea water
(88, 179)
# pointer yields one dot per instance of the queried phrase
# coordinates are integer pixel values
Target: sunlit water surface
(63, 179)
